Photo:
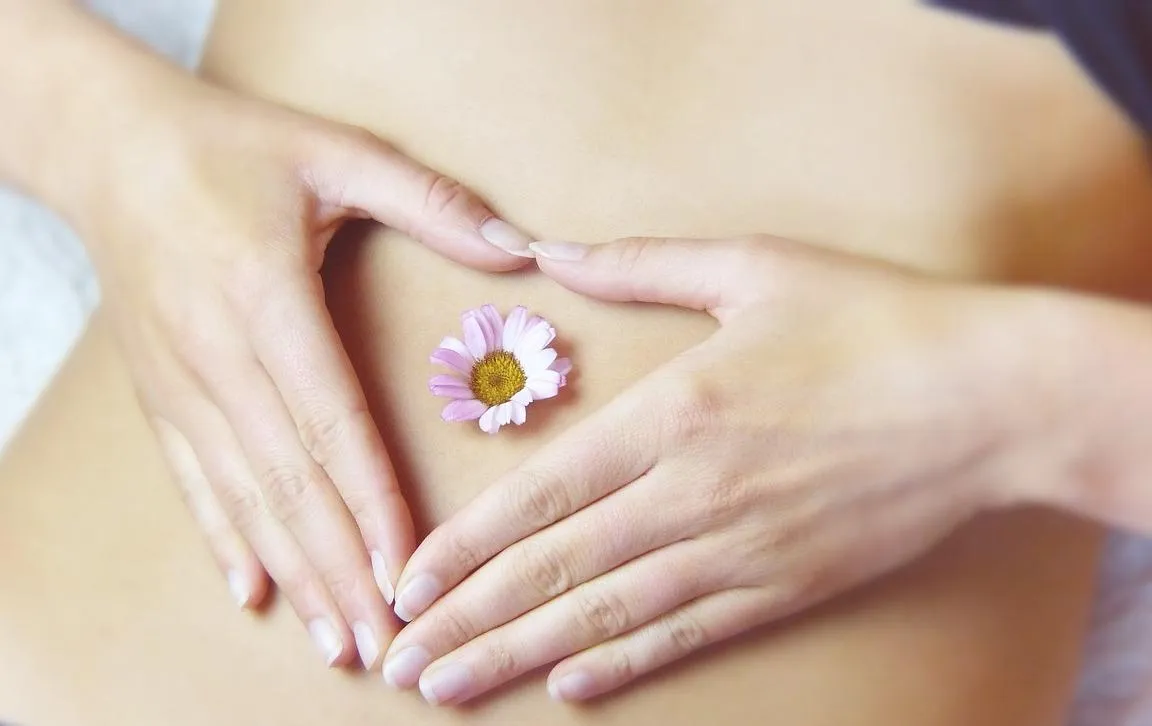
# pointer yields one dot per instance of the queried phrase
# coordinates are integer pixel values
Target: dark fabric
(1111, 38)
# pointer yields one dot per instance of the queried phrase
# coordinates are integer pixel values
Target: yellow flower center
(497, 378)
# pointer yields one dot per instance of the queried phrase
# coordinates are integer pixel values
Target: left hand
(847, 416)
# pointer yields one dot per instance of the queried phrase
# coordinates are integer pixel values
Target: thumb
(359, 172)
(714, 276)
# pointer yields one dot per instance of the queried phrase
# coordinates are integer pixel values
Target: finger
(295, 488)
(294, 336)
(361, 172)
(590, 614)
(596, 457)
(247, 579)
(618, 528)
(669, 638)
(714, 276)
(236, 490)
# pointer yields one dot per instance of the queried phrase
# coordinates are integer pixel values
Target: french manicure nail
(403, 669)
(326, 639)
(380, 572)
(366, 644)
(239, 587)
(572, 687)
(499, 233)
(414, 599)
(446, 684)
(559, 251)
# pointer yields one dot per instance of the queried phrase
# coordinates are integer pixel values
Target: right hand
(209, 244)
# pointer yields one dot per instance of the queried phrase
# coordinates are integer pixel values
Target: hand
(845, 417)
(209, 251)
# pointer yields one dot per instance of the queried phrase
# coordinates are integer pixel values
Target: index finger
(610, 449)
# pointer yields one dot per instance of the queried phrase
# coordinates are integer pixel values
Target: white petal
(474, 338)
(542, 389)
(537, 361)
(514, 327)
(455, 344)
(523, 397)
(535, 338)
(504, 414)
(519, 413)
(488, 423)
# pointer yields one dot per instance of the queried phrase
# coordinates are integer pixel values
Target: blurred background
(47, 291)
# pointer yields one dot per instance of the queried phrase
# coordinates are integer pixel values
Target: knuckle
(634, 252)
(539, 500)
(285, 488)
(324, 433)
(342, 583)
(442, 194)
(541, 570)
(603, 616)
(463, 552)
(725, 496)
(693, 408)
(620, 666)
(453, 625)
(241, 504)
(501, 662)
(684, 633)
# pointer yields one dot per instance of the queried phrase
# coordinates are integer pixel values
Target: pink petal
(522, 397)
(537, 360)
(542, 389)
(496, 323)
(514, 327)
(519, 413)
(449, 386)
(488, 422)
(485, 327)
(474, 338)
(535, 338)
(563, 366)
(453, 360)
(469, 410)
(455, 344)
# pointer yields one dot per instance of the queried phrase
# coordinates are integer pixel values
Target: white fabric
(47, 290)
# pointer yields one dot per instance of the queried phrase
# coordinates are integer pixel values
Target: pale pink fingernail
(499, 233)
(572, 687)
(326, 639)
(238, 585)
(403, 669)
(446, 684)
(380, 572)
(415, 598)
(366, 644)
(560, 251)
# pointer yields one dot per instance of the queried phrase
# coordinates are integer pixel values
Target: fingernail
(572, 687)
(500, 234)
(446, 684)
(416, 597)
(366, 644)
(239, 587)
(380, 572)
(403, 669)
(326, 639)
(560, 251)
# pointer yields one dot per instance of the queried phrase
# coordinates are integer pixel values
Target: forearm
(72, 89)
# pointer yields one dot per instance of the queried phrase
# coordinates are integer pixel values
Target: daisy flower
(500, 367)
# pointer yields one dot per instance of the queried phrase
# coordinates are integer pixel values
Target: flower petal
(535, 338)
(522, 397)
(449, 386)
(455, 344)
(453, 360)
(563, 366)
(485, 324)
(542, 389)
(519, 412)
(537, 361)
(468, 410)
(504, 414)
(474, 337)
(496, 323)
(514, 327)
(488, 422)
